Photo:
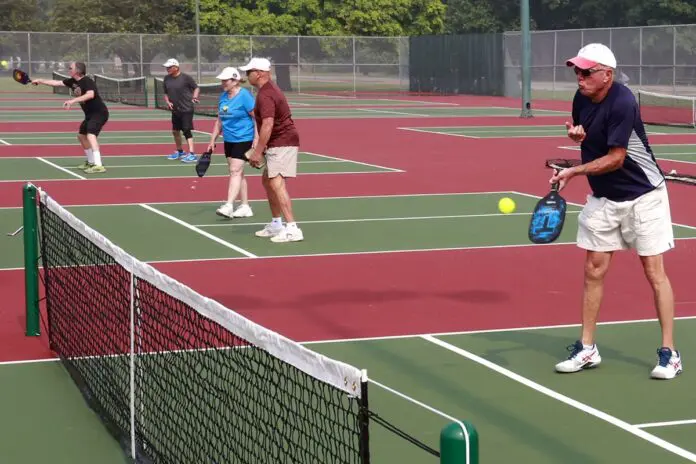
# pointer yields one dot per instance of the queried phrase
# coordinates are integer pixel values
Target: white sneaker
(580, 358)
(289, 234)
(669, 364)
(226, 210)
(243, 211)
(270, 230)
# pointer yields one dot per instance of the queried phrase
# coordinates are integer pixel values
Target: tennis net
(129, 91)
(667, 110)
(178, 378)
(208, 97)
(60, 90)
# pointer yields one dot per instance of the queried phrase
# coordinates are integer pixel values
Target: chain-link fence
(655, 58)
(331, 64)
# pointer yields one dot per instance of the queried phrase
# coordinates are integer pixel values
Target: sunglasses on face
(586, 72)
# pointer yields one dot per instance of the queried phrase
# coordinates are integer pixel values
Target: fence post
(29, 50)
(459, 444)
(31, 261)
(89, 55)
(526, 60)
(299, 84)
(674, 60)
(355, 70)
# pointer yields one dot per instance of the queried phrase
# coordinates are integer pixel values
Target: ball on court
(506, 205)
(3, 63)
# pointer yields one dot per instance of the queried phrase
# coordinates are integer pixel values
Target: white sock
(96, 156)
(291, 225)
(277, 221)
(588, 347)
(89, 155)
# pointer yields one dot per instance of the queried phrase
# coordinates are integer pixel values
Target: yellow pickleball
(506, 205)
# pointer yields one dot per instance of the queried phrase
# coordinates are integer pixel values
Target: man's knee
(596, 265)
(187, 134)
(654, 269)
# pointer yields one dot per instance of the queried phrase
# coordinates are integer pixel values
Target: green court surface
(138, 167)
(486, 132)
(335, 225)
(680, 152)
(501, 381)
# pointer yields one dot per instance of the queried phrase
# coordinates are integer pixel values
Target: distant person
(280, 142)
(180, 94)
(236, 122)
(96, 113)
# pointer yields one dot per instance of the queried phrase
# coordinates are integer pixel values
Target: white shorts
(644, 224)
(282, 161)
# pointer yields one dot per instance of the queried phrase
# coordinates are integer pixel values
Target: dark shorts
(237, 149)
(182, 121)
(93, 123)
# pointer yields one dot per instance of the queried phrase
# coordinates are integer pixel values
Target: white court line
(351, 197)
(667, 446)
(409, 218)
(355, 162)
(420, 335)
(371, 110)
(135, 179)
(199, 231)
(54, 165)
(666, 424)
(4, 142)
(424, 102)
(435, 132)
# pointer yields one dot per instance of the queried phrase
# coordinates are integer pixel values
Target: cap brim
(244, 68)
(580, 62)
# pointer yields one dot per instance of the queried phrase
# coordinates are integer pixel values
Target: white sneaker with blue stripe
(669, 364)
(581, 357)
(190, 158)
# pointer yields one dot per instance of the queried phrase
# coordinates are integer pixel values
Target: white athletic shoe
(580, 358)
(243, 211)
(226, 210)
(669, 364)
(270, 230)
(289, 234)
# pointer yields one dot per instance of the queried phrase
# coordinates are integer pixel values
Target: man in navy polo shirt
(628, 207)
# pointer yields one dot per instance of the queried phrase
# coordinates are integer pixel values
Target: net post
(459, 443)
(31, 260)
(364, 418)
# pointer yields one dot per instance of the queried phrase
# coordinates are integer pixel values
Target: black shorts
(182, 121)
(237, 149)
(93, 123)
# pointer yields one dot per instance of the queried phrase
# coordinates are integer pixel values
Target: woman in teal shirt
(238, 126)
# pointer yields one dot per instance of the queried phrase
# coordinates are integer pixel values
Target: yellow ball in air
(506, 205)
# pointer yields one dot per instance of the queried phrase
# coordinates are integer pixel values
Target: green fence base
(31, 261)
(453, 444)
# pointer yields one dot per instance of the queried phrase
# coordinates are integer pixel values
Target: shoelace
(574, 349)
(664, 357)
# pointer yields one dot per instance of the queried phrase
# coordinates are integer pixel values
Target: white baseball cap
(171, 62)
(260, 64)
(229, 73)
(591, 55)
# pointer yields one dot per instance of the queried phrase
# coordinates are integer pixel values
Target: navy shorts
(237, 149)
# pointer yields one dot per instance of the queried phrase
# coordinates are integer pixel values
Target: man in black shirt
(180, 94)
(96, 113)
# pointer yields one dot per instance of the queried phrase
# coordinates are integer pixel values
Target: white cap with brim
(171, 62)
(591, 55)
(229, 73)
(259, 64)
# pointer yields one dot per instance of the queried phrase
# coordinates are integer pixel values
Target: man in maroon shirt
(280, 142)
